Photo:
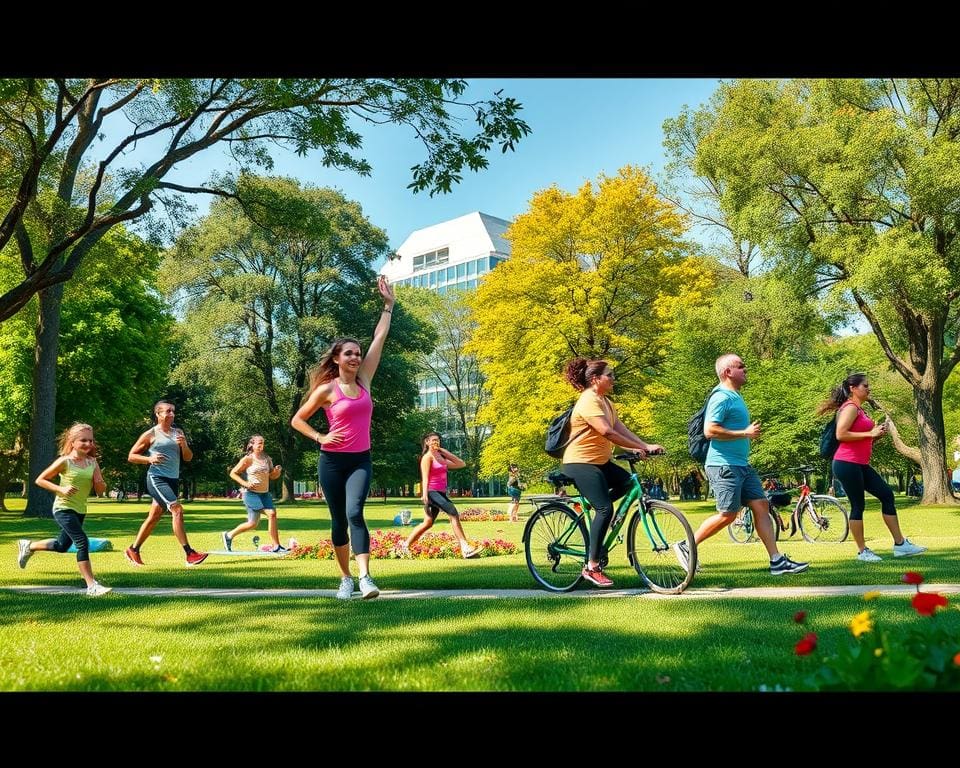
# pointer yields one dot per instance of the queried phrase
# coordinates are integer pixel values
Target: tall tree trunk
(11, 467)
(43, 447)
(933, 449)
(289, 458)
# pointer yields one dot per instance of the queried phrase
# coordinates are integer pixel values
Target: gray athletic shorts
(734, 487)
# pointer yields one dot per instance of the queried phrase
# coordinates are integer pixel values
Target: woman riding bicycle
(587, 460)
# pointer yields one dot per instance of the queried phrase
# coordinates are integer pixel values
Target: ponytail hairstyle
(327, 369)
(249, 448)
(70, 434)
(580, 372)
(841, 393)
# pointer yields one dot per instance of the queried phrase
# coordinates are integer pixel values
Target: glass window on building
(481, 266)
(451, 274)
(471, 268)
(471, 284)
(443, 256)
(442, 290)
(461, 271)
(417, 263)
(433, 279)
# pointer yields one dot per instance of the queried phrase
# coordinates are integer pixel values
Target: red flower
(800, 616)
(926, 603)
(956, 660)
(912, 577)
(807, 644)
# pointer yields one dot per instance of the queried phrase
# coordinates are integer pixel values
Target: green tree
(62, 188)
(853, 185)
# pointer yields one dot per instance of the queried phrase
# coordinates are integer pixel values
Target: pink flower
(912, 577)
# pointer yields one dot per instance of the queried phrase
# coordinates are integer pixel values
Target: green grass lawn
(123, 642)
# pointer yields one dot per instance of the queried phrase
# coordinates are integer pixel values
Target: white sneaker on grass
(367, 588)
(907, 548)
(869, 556)
(23, 552)
(97, 589)
(345, 592)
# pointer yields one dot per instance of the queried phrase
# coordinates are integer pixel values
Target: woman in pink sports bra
(433, 483)
(851, 465)
(340, 384)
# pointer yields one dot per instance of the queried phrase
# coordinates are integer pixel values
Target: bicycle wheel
(651, 540)
(823, 518)
(741, 530)
(555, 540)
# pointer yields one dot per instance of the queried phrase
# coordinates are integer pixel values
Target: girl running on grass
(78, 470)
(259, 471)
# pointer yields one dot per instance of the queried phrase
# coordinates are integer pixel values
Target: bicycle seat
(779, 499)
(558, 479)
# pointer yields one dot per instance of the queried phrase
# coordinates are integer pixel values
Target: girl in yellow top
(78, 471)
(595, 429)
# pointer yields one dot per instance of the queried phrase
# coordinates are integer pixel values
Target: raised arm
(371, 362)
(452, 460)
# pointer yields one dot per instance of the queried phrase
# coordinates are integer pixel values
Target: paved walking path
(474, 594)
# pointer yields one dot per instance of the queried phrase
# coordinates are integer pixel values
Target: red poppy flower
(912, 577)
(807, 644)
(926, 603)
(800, 616)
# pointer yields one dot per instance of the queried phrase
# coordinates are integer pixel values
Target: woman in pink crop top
(851, 465)
(433, 482)
(340, 384)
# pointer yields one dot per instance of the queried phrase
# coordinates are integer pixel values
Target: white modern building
(452, 254)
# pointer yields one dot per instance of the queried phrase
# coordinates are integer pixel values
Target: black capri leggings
(856, 479)
(71, 532)
(438, 501)
(601, 484)
(345, 479)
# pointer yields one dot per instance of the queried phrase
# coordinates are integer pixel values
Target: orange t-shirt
(591, 447)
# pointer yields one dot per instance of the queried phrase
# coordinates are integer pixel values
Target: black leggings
(856, 479)
(345, 479)
(71, 532)
(438, 501)
(601, 485)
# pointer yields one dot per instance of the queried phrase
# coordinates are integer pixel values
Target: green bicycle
(556, 537)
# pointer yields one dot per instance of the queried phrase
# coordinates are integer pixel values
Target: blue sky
(580, 128)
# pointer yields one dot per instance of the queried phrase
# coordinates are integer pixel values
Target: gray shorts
(734, 487)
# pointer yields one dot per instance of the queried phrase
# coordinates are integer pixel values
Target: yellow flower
(878, 652)
(861, 623)
(871, 595)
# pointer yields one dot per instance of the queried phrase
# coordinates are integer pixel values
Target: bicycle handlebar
(634, 456)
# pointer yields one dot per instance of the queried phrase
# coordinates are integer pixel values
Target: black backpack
(828, 439)
(558, 434)
(697, 443)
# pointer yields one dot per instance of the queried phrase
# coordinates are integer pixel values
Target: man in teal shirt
(735, 483)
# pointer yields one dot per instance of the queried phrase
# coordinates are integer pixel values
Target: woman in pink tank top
(851, 465)
(433, 483)
(340, 384)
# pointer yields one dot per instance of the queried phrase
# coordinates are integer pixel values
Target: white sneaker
(907, 548)
(97, 589)
(346, 588)
(367, 588)
(869, 556)
(23, 552)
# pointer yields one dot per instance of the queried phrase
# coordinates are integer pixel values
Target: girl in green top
(78, 471)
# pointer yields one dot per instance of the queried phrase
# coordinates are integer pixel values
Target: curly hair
(580, 372)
